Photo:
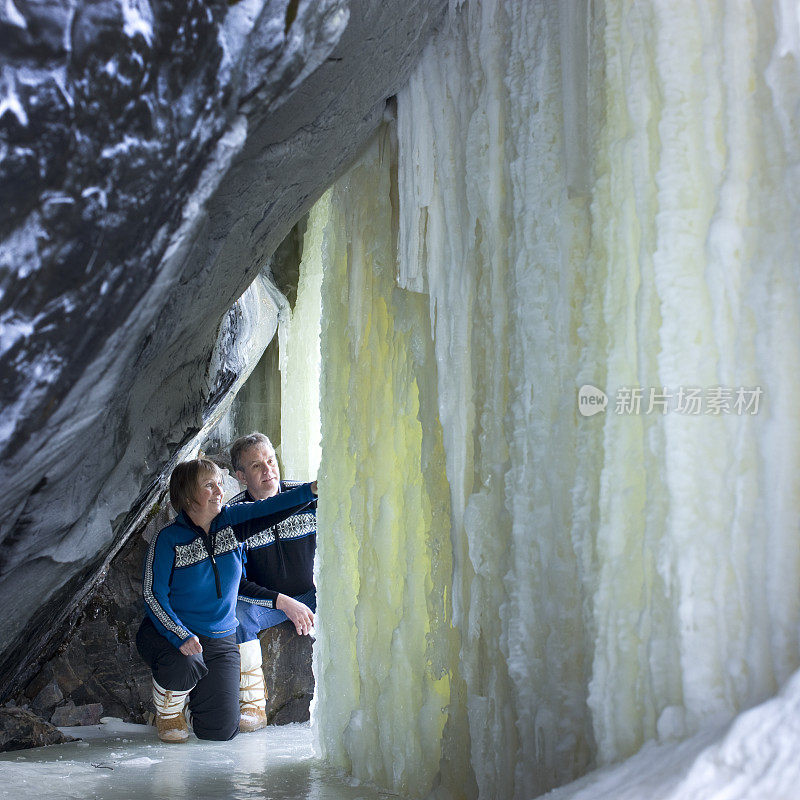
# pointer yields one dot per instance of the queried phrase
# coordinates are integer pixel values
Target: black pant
(212, 677)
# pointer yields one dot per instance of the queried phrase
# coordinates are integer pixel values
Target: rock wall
(152, 156)
(97, 664)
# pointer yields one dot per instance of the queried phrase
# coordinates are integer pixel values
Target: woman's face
(208, 497)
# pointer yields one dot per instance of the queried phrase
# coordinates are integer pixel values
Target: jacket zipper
(210, 551)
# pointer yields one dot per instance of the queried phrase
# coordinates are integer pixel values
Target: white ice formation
(298, 340)
(512, 592)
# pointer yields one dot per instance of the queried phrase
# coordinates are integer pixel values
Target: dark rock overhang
(152, 157)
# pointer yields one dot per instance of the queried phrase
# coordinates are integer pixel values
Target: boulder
(97, 664)
(69, 715)
(288, 674)
(46, 700)
(21, 729)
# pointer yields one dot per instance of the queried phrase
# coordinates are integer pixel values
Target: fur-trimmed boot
(252, 690)
(170, 719)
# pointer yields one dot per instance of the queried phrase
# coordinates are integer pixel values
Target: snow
(12, 16)
(12, 328)
(9, 101)
(128, 142)
(138, 19)
(118, 761)
(753, 758)
(91, 191)
(235, 31)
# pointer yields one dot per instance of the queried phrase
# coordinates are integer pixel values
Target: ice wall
(511, 591)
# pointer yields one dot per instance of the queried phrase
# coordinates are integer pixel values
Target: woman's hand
(191, 647)
(300, 614)
(314, 488)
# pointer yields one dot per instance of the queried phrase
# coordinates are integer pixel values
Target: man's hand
(314, 488)
(299, 613)
(191, 647)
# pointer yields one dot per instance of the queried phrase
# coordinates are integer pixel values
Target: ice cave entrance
(281, 396)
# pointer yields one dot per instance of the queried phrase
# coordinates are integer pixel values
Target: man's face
(260, 472)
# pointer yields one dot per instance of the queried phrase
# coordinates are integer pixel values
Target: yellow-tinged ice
(511, 592)
(385, 646)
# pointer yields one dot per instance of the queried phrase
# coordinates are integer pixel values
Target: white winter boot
(170, 719)
(252, 691)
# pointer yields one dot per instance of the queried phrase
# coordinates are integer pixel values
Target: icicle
(298, 338)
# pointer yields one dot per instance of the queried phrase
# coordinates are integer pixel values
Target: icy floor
(121, 761)
(754, 757)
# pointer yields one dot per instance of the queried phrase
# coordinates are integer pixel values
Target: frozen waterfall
(514, 590)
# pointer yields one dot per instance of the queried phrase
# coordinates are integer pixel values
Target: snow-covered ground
(756, 757)
(120, 761)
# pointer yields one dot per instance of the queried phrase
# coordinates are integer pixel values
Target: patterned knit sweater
(281, 558)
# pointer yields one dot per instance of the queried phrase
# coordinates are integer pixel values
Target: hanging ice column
(501, 576)
(298, 340)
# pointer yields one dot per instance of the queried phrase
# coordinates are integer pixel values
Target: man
(280, 559)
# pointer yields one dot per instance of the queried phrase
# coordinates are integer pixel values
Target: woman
(192, 576)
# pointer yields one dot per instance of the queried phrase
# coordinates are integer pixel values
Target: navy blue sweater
(187, 590)
(281, 558)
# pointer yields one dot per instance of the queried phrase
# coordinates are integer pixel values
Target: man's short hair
(243, 444)
(184, 481)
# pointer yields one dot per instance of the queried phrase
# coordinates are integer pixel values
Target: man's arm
(250, 592)
(249, 518)
(301, 616)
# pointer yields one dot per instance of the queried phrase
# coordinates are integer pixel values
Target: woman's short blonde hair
(186, 478)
